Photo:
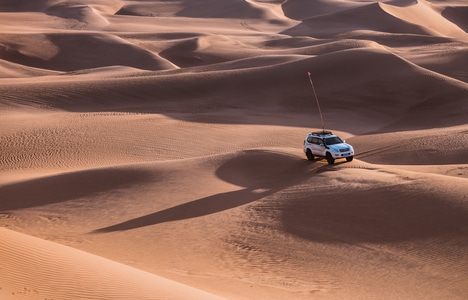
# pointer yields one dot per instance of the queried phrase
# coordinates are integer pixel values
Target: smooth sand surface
(153, 149)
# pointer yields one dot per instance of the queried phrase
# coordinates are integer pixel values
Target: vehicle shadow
(261, 173)
(196, 208)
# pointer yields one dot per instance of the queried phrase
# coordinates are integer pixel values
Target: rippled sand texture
(153, 149)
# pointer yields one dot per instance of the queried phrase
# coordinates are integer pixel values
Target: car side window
(309, 139)
(317, 141)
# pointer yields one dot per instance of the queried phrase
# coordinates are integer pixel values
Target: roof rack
(322, 133)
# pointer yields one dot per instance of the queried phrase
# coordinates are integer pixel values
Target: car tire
(349, 158)
(309, 155)
(330, 159)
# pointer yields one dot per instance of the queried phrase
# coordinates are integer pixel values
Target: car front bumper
(342, 155)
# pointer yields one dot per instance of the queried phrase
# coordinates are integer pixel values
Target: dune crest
(154, 149)
(84, 15)
(425, 15)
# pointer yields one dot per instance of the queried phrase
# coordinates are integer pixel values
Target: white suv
(326, 144)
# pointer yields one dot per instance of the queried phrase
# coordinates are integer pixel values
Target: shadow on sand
(67, 186)
(262, 173)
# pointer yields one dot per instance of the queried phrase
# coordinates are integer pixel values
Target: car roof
(322, 134)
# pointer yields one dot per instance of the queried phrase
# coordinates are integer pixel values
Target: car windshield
(333, 140)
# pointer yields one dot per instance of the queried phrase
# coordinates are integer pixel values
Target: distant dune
(153, 149)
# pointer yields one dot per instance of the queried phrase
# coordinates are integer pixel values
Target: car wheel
(309, 155)
(330, 159)
(349, 158)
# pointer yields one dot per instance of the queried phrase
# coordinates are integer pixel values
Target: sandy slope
(39, 269)
(319, 230)
(153, 149)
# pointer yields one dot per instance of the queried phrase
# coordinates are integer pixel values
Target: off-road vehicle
(328, 145)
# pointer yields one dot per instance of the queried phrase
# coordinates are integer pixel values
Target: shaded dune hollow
(155, 149)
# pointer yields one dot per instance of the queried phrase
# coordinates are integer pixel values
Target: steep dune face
(425, 15)
(27, 50)
(164, 139)
(79, 16)
(455, 14)
(368, 17)
(376, 21)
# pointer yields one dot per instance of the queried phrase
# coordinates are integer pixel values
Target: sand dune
(455, 15)
(331, 222)
(425, 15)
(201, 9)
(344, 22)
(39, 269)
(152, 94)
(81, 16)
(409, 17)
(69, 52)
(423, 147)
(14, 70)
(153, 149)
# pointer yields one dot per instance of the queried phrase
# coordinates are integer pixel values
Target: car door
(317, 149)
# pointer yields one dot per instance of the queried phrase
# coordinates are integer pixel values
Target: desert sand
(153, 149)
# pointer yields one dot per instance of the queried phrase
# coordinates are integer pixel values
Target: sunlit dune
(154, 149)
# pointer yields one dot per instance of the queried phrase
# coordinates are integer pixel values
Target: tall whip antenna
(318, 104)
